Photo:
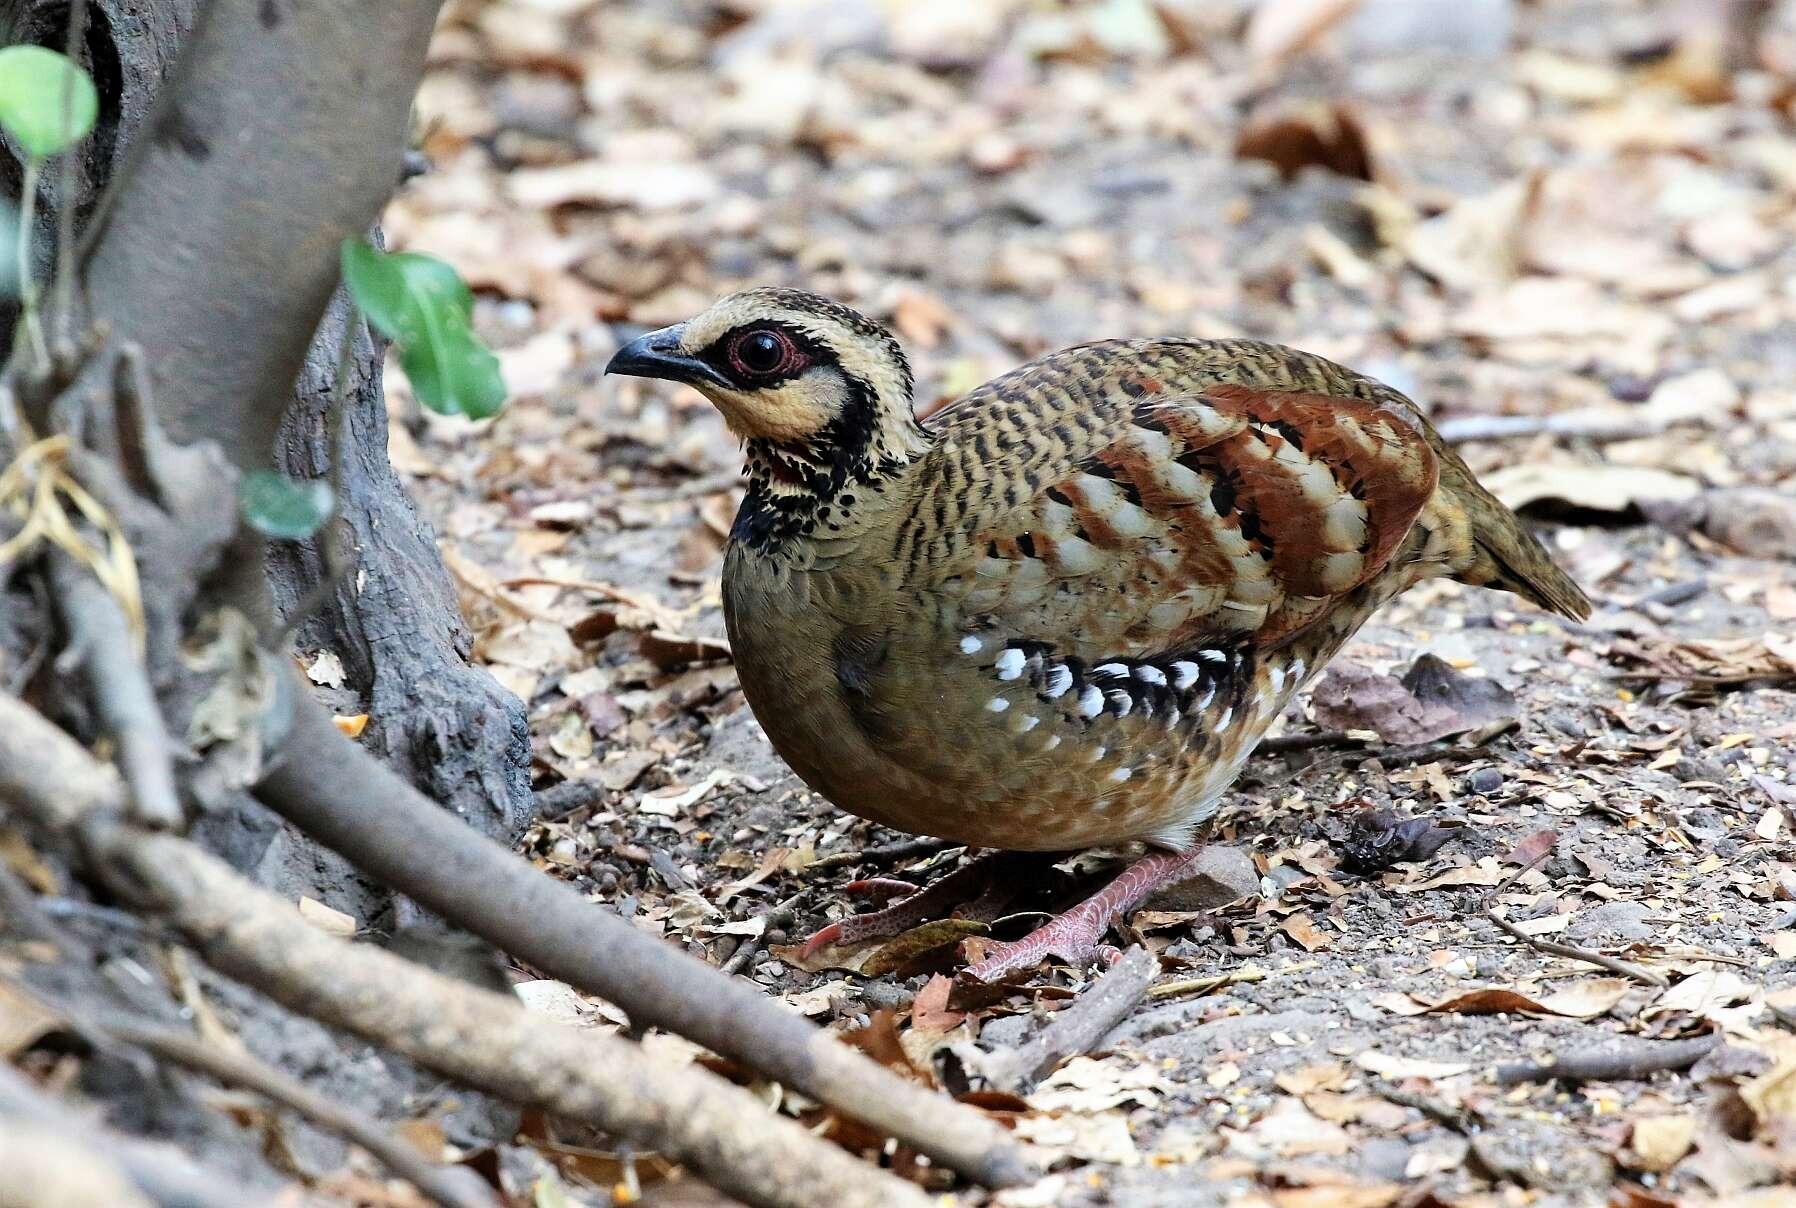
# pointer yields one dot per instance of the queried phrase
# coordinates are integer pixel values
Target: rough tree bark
(444, 724)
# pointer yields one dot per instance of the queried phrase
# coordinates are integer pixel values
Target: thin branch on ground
(100, 638)
(158, 1171)
(1473, 744)
(1613, 1063)
(1554, 948)
(883, 856)
(20, 914)
(777, 916)
(1207, 985)
(1077, 1028)
(328, 787)
(1307, 740)
(1463, 1120)
(436, 1182)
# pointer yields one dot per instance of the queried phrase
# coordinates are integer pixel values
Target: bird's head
(807, 383)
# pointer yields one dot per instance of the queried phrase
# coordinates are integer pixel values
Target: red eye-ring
(764, 353)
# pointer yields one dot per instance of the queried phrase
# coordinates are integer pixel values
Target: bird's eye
(763, 353)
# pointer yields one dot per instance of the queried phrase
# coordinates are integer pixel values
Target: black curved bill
(657, 354)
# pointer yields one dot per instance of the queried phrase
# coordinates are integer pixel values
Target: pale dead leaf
(23, 1021)
(326, 670)
(327, 919)
(1601, 488)
(1387, 1065)
(1477, 243)
(1279, 28)
(1660, 1142)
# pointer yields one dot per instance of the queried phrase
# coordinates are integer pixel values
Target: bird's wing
(1144, 511)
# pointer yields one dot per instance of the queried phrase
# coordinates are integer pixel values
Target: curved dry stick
(436, 1182)
(350, 802)
(489, 1041)
(159, 1172)
(1616, 1063)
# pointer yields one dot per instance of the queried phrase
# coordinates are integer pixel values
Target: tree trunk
(448, 727)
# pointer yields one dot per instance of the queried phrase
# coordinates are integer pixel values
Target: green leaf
(423, 306)
(36, 84)
(282, 507)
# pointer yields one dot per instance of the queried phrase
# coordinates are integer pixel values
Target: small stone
(1485, 781)
(1220, 875)
(1612, 920)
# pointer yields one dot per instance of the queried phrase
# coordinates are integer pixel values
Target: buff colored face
(776, 372)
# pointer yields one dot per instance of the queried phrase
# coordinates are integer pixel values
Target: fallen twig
(1470, 745)
(1600, 960)
(881, 857)
(164, 1176)
(1462, 1120)
(487, 1040)
(1204, 985)
(1308, 740)
(1076, 1028)
(326, 785)
(436, 1182)
(491, 1042)
(1473, 744)
(777, 916)
(1616, 1063)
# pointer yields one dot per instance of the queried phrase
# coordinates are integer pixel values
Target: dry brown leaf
(1306, 136)
(1584, 1000)
(1303, 929)
(23, 1021)
(1485, 872)
(929, 1012)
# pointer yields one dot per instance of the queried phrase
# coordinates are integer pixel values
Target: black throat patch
(798, 490)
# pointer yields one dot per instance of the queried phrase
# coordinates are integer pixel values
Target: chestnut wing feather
(1230, 513)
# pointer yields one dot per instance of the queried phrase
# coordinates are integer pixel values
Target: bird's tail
(1501, 553)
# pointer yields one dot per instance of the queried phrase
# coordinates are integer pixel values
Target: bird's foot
(935, 900)
(1077, 935)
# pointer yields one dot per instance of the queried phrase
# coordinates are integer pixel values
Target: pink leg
(1075, 935)
(934, 900)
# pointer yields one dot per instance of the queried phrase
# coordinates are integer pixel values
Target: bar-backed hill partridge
(1062, 612)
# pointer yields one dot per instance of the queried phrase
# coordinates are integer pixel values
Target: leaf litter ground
(1586, 224)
